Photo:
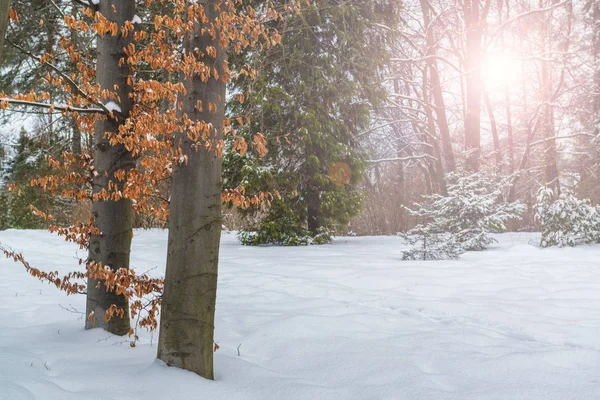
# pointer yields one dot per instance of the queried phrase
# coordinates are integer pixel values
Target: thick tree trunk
(113, 218)
(4, 14)
(188, 308)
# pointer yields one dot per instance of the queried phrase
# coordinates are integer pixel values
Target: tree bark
(550, 165)
(436, 90)
(313, 204)
(4, 19)
(188, 308)
(495, 138)
(473, 27)
(429, 136)
(595, 11)
(509, 132)
(509, 127)
(112, 218)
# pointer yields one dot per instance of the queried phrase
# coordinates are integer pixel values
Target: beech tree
(113, 218)
(4, 14)
(188, 307)
(145, 126)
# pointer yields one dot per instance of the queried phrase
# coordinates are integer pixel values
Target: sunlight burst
(500, 69)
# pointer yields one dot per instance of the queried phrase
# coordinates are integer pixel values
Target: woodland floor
(343, 321)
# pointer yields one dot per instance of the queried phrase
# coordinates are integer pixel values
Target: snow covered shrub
(566, 220)
(463, 220)
(427, 245)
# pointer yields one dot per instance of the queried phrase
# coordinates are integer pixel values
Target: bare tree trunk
(4, 13)
(509, 133)
(550, 165)
(400, 198)
(496, 139)
(437, 168)
(595, 11)
(188, 308)
(509, 127)
(473, 27)
(436, 89)
(112, 218)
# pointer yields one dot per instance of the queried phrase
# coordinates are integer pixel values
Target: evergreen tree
(566, 220)
(463, 220)
(310, 98)
(27, 163)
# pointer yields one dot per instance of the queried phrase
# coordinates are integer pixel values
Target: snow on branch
(52, 106)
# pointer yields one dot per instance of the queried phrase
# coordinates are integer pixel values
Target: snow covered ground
(344, 321)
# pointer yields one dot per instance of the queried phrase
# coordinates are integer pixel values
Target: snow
(343, 321)
(111, 106)
(136, 19)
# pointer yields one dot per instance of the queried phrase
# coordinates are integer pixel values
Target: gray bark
(113, 218)
(4, 12)
(188, 308)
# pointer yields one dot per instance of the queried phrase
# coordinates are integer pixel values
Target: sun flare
(500, 70)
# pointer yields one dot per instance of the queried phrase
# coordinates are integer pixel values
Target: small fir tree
(463, 220)
(566, 220)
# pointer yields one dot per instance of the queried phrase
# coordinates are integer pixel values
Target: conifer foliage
(566, 220)
(311, 98)
(463, 220)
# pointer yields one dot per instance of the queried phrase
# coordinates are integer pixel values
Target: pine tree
(464, 219)
(566, 220)
(311, 97)
(27, 163)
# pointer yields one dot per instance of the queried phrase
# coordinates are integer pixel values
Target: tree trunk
(473, 27)
(313, 197)
(188, 307)
(550, 165)
(509, 133)
(436, 89)
(595, 5)
(435, 161)
(313, 204)
(112, 218)
(509, 128)
(4, 19)
(75, 139)
(495, 138)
